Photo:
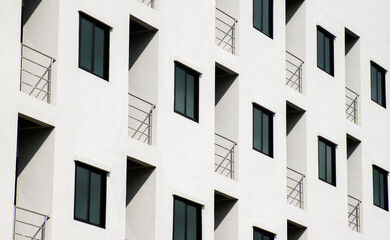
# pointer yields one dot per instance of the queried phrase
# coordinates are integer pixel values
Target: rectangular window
(263, 16)
(378, 86)
(326, 161)
(93, 46)
(380, 188)
(262, 130)
(90, 195)
(325, 51)
(187, 221)
(260, 234)
(186, 92)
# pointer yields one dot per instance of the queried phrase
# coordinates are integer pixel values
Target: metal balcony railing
(35, 73)
(150, 3)
(225, 31)
(224, 156)
(294, 67)
(29, 224)
(351, 105)
(354, 213)
(295, 188)
(140, 119)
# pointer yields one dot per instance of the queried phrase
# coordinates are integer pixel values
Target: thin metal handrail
(143, 130)
(45, 76)
(228, 38)
(40, 229)
(294, 67)
(295, 56)
(226, 14)
(354, 214)
(37, 213)
(224, 156)
(151, 2)
(26, 46)
(351, 103)
(295, 187)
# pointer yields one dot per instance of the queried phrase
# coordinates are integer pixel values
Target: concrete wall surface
(87, 118)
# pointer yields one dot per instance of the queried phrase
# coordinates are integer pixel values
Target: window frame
(270, 129)
(333, 159)
(382, 173)
(199, 213)
(270, 18)
(106, 61)
(331, 38)
(103, 194)
(382, 81)
(268, 234)
(188, 71)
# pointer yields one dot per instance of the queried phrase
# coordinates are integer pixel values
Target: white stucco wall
(89, 116)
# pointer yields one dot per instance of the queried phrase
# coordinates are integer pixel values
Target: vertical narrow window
(263, 16)
(90, 195)
(325, 58)
(380, 191)
(93, 46)
(186, 92)
(186, 220)
(378, 86)
(326, 161)
(260, 234)
(262, 130)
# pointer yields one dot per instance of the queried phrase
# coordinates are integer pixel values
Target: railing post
(233, 38)
(355, 110)
(232, 161)
(300, 193)
(300, 78)
(21, 66)
(49, 82)
(13, 235)
(149, 127)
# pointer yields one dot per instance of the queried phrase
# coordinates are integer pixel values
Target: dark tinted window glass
(179, 220)
(257, 128)
(259, 234)
(186, 220)
(90, 190)
(82, 189)
(93, 48)
(378, 88)
(86, 43)
(262, 16)
(321, 159)
(192, 223)
(262, 131)
(380, 190)
(326, 161)
(186, 92)
(325, 51)
(99, 52)
(180, 84)
(95, 204)
(190, 104)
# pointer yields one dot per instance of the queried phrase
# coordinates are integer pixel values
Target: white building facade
(194, 120)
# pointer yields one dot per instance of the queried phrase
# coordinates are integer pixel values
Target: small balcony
(36, 73)
(140, 119)
(354, 213)
(351, 105)
(29, 224)
(225, 31)
(224, 156)
(294, 66)
(295, 188)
